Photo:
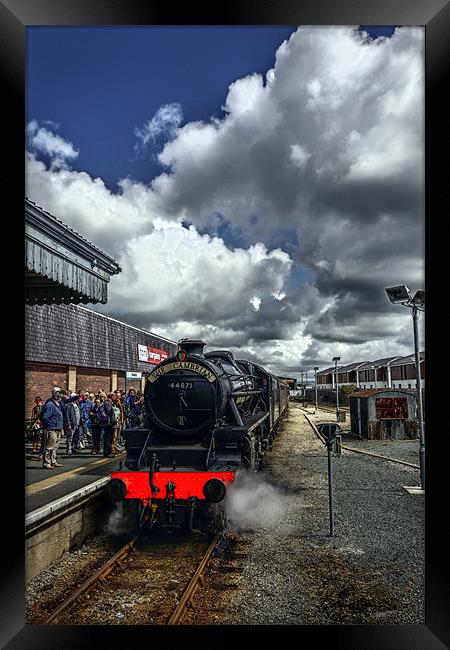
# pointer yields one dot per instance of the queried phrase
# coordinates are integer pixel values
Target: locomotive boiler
(207, 416)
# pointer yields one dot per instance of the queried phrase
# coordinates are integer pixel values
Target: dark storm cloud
(329, 146)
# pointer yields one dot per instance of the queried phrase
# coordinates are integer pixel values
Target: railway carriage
(206, 417)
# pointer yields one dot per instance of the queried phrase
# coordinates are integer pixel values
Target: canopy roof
(61, 266)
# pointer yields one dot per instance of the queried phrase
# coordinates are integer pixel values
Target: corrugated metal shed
(383, 414)
(61, 266)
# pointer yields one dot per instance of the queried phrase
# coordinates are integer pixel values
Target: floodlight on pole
(402, 295)
(316, 368)
(336, 359)
(398, 294)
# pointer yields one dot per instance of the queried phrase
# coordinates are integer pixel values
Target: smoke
(120, 521)
(253, 502)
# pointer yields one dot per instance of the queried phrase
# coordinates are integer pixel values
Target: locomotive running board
(250, 423)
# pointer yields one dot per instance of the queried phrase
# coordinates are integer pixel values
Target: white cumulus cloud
(165, 122)
(41, 140)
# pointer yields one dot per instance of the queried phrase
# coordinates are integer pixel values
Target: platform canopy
(61, 266)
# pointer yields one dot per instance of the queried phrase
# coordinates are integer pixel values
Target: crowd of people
(86, 420)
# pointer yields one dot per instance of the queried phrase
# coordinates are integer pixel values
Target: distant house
(389, 372)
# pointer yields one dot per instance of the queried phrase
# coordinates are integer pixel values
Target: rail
(361, 451)
(101, 573)
(178, 613)
(116, 560)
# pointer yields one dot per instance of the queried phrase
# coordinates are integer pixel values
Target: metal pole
(330, 491)
(315, 384)
(415, 313)
(337, 393)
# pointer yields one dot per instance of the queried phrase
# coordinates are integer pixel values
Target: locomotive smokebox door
(183, 401)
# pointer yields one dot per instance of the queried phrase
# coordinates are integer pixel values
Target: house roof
(352, 366)
(326, 371)
(407, 360)
(378, 363)
(373, 391)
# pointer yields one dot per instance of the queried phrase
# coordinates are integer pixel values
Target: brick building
(76, 348)
(391, 372)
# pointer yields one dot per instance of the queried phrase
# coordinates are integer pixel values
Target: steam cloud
(120, 521)
(253, 502)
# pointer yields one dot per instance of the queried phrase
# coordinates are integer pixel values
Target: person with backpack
(52, 422)
(108, 422)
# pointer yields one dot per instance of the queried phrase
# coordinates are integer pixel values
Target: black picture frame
(15, 16)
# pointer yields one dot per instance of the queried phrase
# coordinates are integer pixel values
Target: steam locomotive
(206, 417)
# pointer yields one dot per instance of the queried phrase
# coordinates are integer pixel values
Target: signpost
(328, 431)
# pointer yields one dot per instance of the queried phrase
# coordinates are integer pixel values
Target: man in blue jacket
(52, 423)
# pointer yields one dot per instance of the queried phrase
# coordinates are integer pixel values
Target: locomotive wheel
(219, 520)
(211, 518)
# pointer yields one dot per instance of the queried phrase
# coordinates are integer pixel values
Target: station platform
(79, 470)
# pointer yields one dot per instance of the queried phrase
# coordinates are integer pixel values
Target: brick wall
(133, 383)
(40, 378)
(121, 380)
(92, 379)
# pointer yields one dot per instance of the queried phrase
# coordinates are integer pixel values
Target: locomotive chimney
(192, 346)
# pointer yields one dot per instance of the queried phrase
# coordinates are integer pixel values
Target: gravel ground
(47, 590)
(144, 591)
(148, 587)
(292, 572)
(406, 450)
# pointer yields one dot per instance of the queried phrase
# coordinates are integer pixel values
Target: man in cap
(52, 423)
(73, 423)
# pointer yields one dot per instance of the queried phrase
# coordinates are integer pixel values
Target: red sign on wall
(151, 355)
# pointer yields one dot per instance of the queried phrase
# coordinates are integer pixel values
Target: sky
(259, 186)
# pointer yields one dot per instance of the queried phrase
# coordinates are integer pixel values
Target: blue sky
(280, 188)
(100, 84)
(116, 77)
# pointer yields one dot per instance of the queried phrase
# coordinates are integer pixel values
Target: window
(409, 385)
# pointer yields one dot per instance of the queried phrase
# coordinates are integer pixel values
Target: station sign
(149, 354)
(134, 375)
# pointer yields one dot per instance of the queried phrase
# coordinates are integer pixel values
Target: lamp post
(336, 359)
(374, 368)
(316, 368)
(402, 295)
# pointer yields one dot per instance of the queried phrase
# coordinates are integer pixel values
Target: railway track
(328, 409)
(161, 587)
(361, 451)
